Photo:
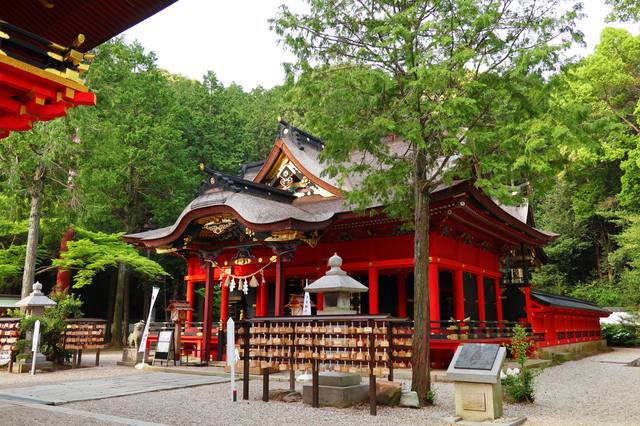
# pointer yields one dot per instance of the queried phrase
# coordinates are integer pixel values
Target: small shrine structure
(278, 222)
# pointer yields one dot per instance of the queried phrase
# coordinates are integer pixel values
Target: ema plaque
(477, 356)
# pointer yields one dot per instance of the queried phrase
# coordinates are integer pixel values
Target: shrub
(621, 334)
(519, 383)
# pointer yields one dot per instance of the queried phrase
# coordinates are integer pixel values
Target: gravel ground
(599, 390)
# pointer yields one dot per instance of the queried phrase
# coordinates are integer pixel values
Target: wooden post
(265, 384)
(315, 386)
(390, 340)
(79, 357)
(245, 375)
(279, 311)
(372, 377)
(178, 344)
(373, 291)
(97, 358)
(74, 358)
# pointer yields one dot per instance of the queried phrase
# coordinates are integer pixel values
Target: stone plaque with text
(476, 356)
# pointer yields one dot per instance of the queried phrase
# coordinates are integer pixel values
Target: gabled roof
(565, 302)
(61, 21)
(288, 200)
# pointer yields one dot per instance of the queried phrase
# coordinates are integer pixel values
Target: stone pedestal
(132, 355)
(24, 366)
(337, 390)
(478, 402)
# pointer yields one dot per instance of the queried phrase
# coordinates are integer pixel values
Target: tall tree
(133, 165)
(460, 81)
(40, 158)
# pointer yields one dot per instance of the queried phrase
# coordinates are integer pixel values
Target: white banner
(306, 307)
(143, 342)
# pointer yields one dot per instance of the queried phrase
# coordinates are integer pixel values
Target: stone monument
(475, 370)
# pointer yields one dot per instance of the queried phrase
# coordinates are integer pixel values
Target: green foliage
(624, 11)
(52, 327)
(520, 386)
(602, 292)
(96, 251)
(621, 334)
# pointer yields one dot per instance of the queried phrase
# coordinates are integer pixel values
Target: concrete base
(25, 366)
(452, 418)
(567, 351)
(132, 355)
(478, 401)
(337, 390)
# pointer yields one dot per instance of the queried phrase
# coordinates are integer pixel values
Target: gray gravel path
(599, 391)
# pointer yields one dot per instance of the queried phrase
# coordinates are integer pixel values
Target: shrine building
(263, 234)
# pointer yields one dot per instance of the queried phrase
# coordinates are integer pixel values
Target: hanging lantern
(253, 282)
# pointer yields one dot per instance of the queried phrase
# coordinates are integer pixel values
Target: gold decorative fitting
(219, 224)
(250, 232)
(430, 259)
(286, 235)
(242, 261)
(212, 181)
(273, 258)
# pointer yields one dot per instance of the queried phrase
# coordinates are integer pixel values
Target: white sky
(233, 39)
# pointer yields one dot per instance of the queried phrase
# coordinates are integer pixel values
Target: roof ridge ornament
(299, 136)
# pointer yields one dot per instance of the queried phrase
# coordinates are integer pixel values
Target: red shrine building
(261, 235)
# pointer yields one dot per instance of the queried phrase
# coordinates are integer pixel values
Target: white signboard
(34, 345)
(231, 354)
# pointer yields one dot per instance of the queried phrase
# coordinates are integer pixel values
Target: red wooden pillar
(434, 294)
(320, 298)
(279, 311)
(373, 291)
(402, 294)
(458, 295)
(481, 301)
(208, 313)
(64, 275)
(224, 302)
(496, 283)
(190, 292)
(527, 298)
(258, 300)
(264, 298)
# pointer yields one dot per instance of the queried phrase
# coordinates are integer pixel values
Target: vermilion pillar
(402, 295)
(320, 298)
(190, 292)
(208, 313)
(279, 308)
(373, 291)
(224, 303)
(458, 295)
(258, 299)
(264, 299)
(496, 283)
(64, 275)
(434, 294)
(481, 301)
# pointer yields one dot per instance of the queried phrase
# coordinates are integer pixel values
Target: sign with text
(477, 356)
(163, 348)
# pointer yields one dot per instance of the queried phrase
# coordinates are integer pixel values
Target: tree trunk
(127, 304)
(117, 338)
(112, 301)
(598, 260)
(421, 380)
(28, 275)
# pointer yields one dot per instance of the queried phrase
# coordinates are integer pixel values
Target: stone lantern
(35, 302)
(34, 305)
(178, 309)
(336, 287)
